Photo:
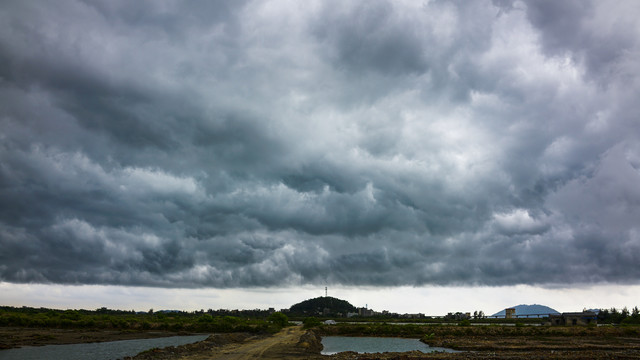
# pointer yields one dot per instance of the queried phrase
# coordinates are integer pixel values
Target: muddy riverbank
(13, 337)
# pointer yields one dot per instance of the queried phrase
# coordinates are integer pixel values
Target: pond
(336, 344)
(96, 351)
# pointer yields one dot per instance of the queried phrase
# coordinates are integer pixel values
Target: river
(336, 344)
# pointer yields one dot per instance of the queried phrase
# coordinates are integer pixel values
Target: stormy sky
(241, 144)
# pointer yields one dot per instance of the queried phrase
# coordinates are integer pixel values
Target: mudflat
(13, 337)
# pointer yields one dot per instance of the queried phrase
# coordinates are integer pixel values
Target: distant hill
(530, 309)
(324, 304)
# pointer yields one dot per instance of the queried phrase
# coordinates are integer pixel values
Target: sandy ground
(280, 346)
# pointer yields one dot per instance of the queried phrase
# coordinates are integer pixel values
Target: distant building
(574, 318)
(509, 313)
(410, 316)
(365, 312)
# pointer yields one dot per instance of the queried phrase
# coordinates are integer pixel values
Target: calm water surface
(336, 344)
(96, 351)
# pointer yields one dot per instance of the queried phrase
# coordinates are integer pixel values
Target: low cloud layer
(273, 143)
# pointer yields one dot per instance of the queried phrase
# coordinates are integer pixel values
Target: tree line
(615, 316)
(103, 318)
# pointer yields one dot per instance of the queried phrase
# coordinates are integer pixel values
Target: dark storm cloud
(577, 27)
(369, 36)
(234, 144)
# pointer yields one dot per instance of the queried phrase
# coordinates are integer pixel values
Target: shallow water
(336, 344)
(96, 351)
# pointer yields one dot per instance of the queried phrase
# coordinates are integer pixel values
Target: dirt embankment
(215, 341)
(290, 343)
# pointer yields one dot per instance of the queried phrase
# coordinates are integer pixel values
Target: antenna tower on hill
(325, 291)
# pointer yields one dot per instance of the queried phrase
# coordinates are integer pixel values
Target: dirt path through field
(280, 346)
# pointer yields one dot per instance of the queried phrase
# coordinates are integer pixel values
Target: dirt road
(282, 345)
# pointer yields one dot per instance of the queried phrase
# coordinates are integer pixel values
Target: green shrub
(71, 315)
(231, 320)
(311, 322)
(428, 336)
(278, 319)
(206, 318)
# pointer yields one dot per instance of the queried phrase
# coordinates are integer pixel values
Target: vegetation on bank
(311, 322)
(177, 321)
(253, 320)
(428, 332)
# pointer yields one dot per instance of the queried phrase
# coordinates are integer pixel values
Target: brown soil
(294, 343)
(549, 347)
(546, 343)
(12, 337)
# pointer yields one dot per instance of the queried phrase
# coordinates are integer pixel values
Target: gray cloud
(597, 34)
(371, 36)
(235, 144)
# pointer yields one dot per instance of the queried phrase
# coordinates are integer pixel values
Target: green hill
(324, 305)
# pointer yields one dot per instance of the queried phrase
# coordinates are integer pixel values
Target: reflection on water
(96, 351)
(336, 344)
